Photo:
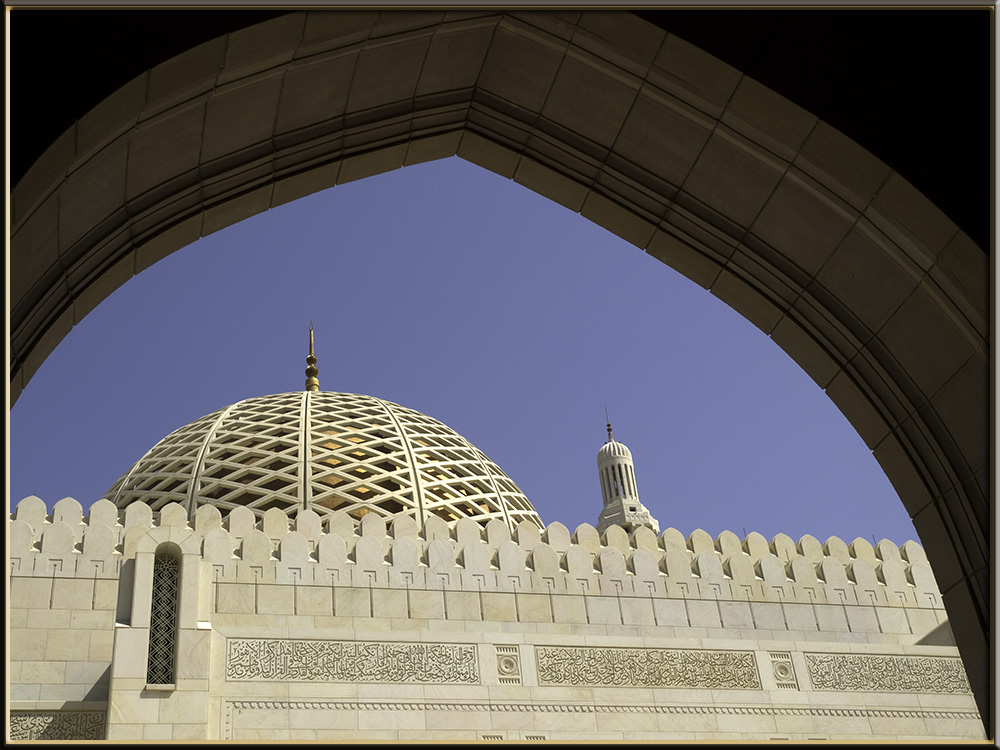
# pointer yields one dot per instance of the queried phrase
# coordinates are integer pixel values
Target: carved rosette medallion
(893, 674)
(57, 725)
(647, 667)
(783, 671)
(508, 665)
(350, 661)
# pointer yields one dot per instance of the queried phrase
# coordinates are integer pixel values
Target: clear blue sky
(458, 293)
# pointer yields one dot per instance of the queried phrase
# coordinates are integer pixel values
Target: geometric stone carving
(57, 725)
(508, 665)
(350, 661)
(646, 667)
(783, 671)
(893, 674)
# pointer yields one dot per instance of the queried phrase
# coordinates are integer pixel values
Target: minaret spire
(312, 372)
(611, 438)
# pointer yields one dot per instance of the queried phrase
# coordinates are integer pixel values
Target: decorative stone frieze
(57, 725)
(885, 673)
(647, 667)
(588, 708)
(350, 661)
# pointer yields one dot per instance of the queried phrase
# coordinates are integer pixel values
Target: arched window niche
(164, 617)
(165, 605)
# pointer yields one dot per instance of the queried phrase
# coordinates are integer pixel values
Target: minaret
(312, 372)
(621, 498)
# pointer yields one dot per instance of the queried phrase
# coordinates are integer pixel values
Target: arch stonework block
(844, 234)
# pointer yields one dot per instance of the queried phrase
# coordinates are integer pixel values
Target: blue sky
(461, 294)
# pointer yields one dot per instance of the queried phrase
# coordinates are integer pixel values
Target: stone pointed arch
(871, 289)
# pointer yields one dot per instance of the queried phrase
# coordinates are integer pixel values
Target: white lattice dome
(327, 452)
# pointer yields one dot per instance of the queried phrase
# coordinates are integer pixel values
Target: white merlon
(308, 550)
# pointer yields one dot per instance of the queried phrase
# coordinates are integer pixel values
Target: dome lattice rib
(327, 452)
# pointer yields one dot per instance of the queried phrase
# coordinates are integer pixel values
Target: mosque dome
(327, 452)
(613, 449)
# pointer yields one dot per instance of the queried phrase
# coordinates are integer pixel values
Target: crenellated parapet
(384, 553)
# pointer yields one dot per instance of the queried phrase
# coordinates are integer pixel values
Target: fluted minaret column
(619, 490)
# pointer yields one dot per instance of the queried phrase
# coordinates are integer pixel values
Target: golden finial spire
(611, 437)
(312, 381)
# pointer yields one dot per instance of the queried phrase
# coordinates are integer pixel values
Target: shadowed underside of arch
(871, 289)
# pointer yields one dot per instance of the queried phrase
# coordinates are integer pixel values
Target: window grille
(163, 620)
